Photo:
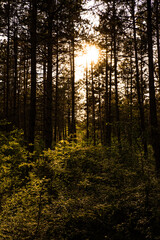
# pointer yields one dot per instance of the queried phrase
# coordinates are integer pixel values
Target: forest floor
(77, 192)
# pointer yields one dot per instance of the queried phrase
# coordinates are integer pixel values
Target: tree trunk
(87, 104)
(110, 99)
(115, 74)
(68, 107)
(157, 35)
(56, 93)
(100, 113)
(15, 77)
(140, 103)
(8, 60)
(25, 98)
(73, 124)
(107, 130)
(32, 114)
(48, 118)
(131, 98)
(44, 92)
(93, 108)
(153, 110)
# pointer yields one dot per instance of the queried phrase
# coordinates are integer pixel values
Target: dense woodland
(79, 159)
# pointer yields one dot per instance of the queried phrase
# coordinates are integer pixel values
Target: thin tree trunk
(115, 74)
(153, 111)
(8, 60)
(32, 114)
(68, 107)
(4, 93)
(26, 76)
(19, 99)
(24, 97)
(131, 100)
(48, 122)
(107, 137)
(100, 113)
(110, 98)
(44, 93)
(87, 104)
(15, 77)
(56, 94)
(158, 42)
(69, 122)
(73, 125)
(140, 103)
(93, 107)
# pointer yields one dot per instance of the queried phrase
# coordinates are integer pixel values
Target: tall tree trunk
(24, 98)
(4, 92)
(153, 110)
(15, 77)
(115, 74)
(8, 61)
(18, 99)
(157, 35)
(68, 107)
(93, 108)
(140, 103)
(87, 104)
(25, 105)
(110, 98)
(44, 92)
(100, 112)
(32, 113)
(56, 93)
(131, 97)
(107, 134)
(48, 122)
(73, 124)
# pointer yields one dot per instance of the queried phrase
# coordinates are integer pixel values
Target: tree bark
(107, 134)
(48, 118)
(87, 104)
(100, 112)
(140, 103)
(44, 92)
(56, 93)
(8, 61)
(73, 124)
(153, 110)
(131, 97)
(115, 74)
(110, 98)
(157, 35)
(25, 97)
(15, 77)
(32, 114)
(93, 108)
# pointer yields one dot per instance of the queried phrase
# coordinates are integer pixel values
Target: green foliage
(75, 192)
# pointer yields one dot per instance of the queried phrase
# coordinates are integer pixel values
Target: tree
(8, 60)
(48, 117)
(153, 110)
(140, 102)
(156, 2)
(93, 107)
(87, 104)
(15, 71)
(33, 73)
(115, 70)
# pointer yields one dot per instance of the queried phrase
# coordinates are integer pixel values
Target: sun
(84, 58)
(89, 54)
(92, 54)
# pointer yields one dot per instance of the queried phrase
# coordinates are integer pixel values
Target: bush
(76, 192)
